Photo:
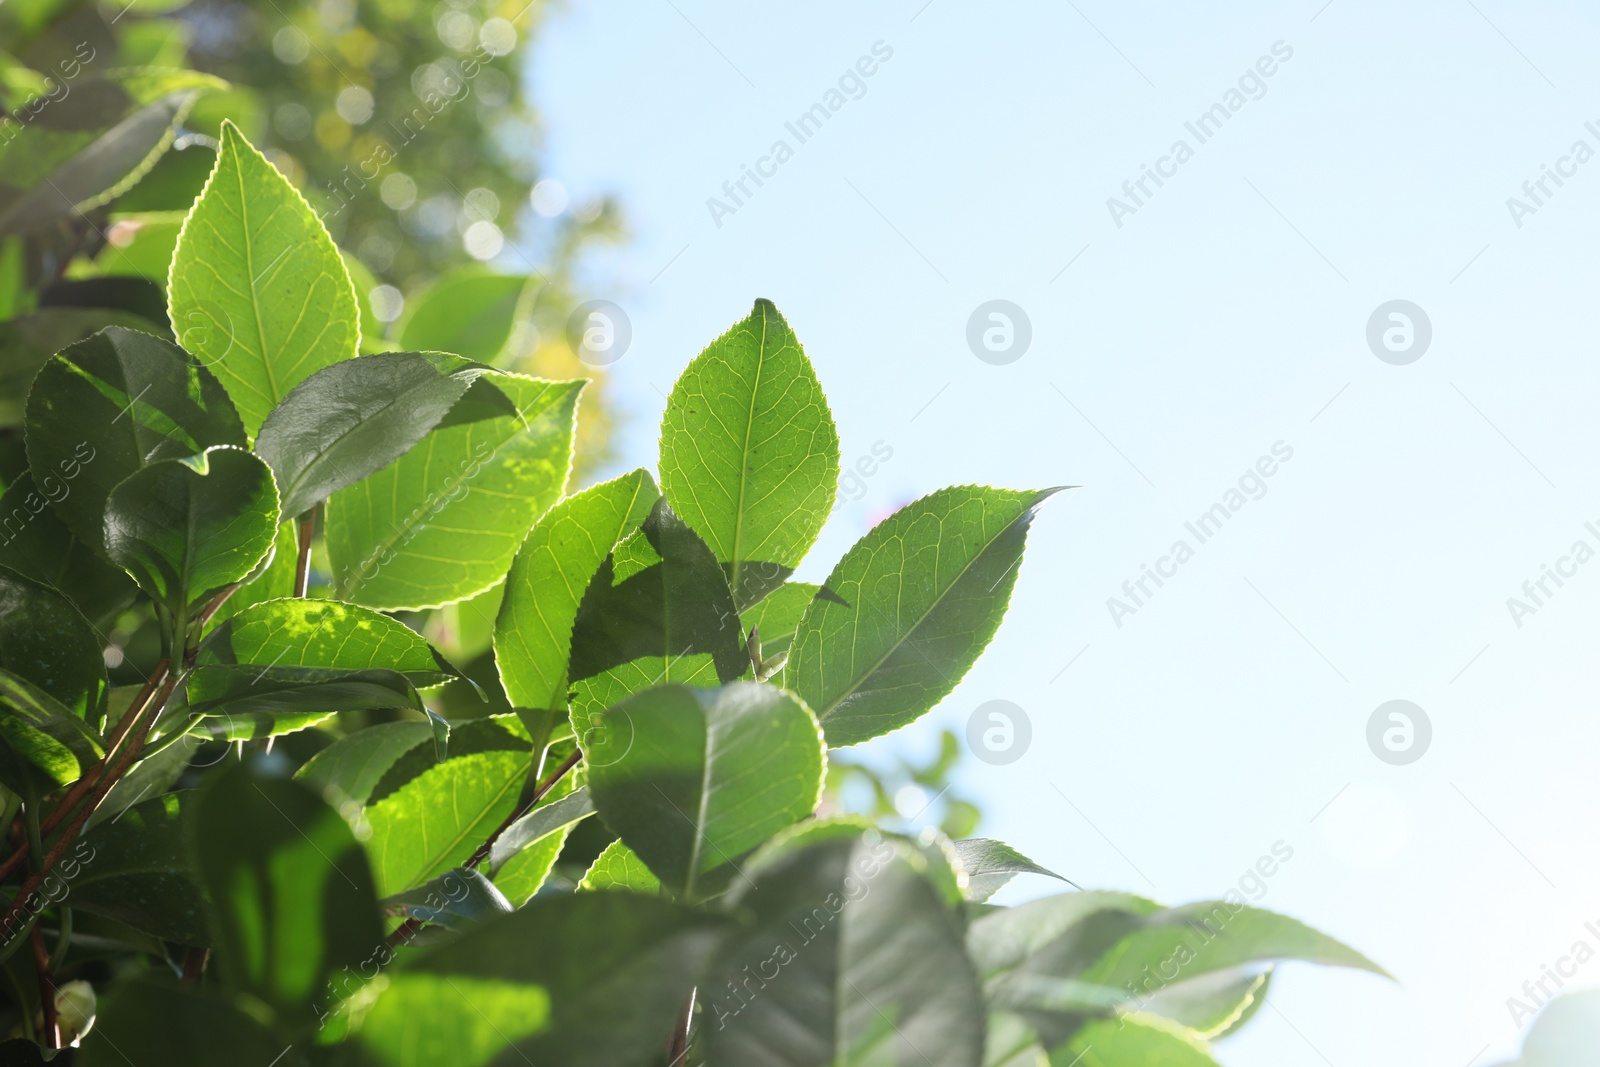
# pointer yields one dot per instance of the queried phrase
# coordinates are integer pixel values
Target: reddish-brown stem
(215, 604)
(104, 784)
(408, 929)
(82, 787)
(50, 1036)
(680, 1034)
(539, 792)
(302, 567)
(194, 962)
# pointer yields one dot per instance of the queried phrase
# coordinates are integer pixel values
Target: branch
(539, 792)
(302, 567)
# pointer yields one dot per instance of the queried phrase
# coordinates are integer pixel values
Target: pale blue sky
(1227, 314)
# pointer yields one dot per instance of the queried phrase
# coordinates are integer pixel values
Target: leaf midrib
(250, 272)
(737, 559)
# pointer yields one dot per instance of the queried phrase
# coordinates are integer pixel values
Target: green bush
(281, 848)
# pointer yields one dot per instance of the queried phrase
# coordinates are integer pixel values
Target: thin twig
(302, 567)
(539, 792)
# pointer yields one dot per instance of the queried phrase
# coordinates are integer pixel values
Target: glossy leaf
(138, 869)
(43, 743)
(36, 544)
(258, 290)
(778, 616)
(692, 779)
(186, 529)
(456, 899)
(28, 341)
(908, 610)
(1129, 1041)
(355, 417)
(44, 640)
(617, 969)
(425, 1020)
(855, 945)
(619, 867)
(444, 522)
(293, 632)
(292, 895)
(749, 453)
(434, 822)
(108, 407)
(553, 568)
(658, 611)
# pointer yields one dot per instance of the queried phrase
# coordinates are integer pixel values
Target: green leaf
(1132, 1041)
(525, 870)
(466, 1022)
(456, 899)
(692, 779)
(778, 616)
(538, 824)
(444, 522)
(28, 341)
(244, 701)
(1210, 936)
(355, 417)
(469, 311)
(852, 955)
(138, 869)
(562, 554)
(162, 1022)
(92, 144)
(292, 894)
(43, 744)
(619, 867)
(271, 580)
(1212, 1005)
(352, 766)
(44, 640)
(434, 822)
(185, 529)
(657, 611)
(294, 632)
(258, 290)
(491, 733)
(909, 609)
(749, 454)
(40, 547)
(991, 864)
(590, 954)
(108, 407)
(1006, 938)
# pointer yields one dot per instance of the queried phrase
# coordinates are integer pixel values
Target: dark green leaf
(160, 1022)
(749, 454)
(355, 417)
(456, 899)
(616, 969)
(852, 955)
(444, 521)
(39, 546)
(909, 609)
(657, 611)
(258, 290)
(491, 733)
(692, 779)
(46, 641)
(109, 406)
(137, 868)
(185, 529)
(292, 894)
(28, 341)
(568, 545)
(43, 744)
